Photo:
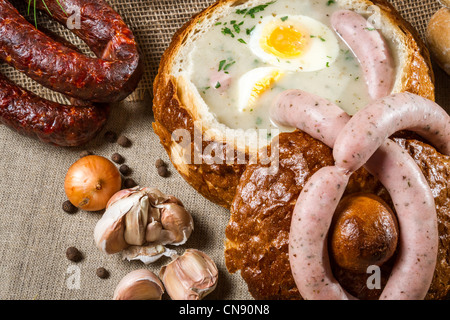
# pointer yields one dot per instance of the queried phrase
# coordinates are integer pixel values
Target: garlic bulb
(190, 277)
(142, 217)
(139, 285)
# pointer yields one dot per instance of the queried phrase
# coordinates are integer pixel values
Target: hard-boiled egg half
(254, 83)
(288, 43)
(295, 43)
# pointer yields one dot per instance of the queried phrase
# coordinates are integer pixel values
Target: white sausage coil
(413, 271)
(370, 48)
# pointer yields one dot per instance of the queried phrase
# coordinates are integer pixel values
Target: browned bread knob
(364, 232)
(438, 36)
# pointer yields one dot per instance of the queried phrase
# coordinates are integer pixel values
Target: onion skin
(91, 182)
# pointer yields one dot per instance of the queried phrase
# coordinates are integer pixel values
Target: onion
(91, 182)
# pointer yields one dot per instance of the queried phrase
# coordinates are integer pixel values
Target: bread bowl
(179, 107)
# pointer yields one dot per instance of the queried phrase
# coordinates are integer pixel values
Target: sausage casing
(50, 122)
(112, 76)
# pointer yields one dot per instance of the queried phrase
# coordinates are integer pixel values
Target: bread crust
(218, 182)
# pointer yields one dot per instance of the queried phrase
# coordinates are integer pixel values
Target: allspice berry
(159, 163)
(102, 273)
(73, 254)
(125, 170)
(124, 141)
(364, 232)
(68, 207)
(117, 158)
(162, 171)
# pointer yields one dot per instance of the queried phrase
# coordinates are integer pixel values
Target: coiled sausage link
(370, 48)
(50, 122)
(396, 170)
(381, 118)
(110, 77)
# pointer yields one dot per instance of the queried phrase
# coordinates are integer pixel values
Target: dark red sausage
(50, 122)
(110, 77)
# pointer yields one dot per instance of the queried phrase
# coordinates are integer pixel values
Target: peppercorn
(68, 207)
(129, 183)
(73, 254)
(111, 136)
(162, 171)
(117, 158)
(102, 273)
(124, 141)
(125, 170)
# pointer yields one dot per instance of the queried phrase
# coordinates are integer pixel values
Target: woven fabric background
(35, 232)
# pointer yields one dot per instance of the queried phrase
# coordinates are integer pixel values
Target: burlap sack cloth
(35, 232)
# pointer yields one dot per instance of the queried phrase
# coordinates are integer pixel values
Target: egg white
(254, 83)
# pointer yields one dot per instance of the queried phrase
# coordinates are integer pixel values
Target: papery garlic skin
(191, 276)
(142, 217)
(140, 284)
(147, 254)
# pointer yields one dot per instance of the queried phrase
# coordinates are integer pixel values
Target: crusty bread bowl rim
(190, 97)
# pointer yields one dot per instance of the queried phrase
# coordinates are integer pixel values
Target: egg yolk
(262, 86)
(284, 41)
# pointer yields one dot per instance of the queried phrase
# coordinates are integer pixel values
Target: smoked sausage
(50, 122)
(110, 77)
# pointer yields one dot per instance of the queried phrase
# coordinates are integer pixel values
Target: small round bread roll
(365, 232)
(438, 36)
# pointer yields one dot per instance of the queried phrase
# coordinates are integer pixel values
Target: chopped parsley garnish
(229, 65)
(328, 64)
(330, 2)
(242, 41)
(221, 64)
(370, 29)
(284, 18)
(227, 31)
(322, 39)
(252, 11)
(217, 86)
(250, 30)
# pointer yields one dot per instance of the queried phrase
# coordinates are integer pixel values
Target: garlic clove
(177, 223)
(109, 230)
(139, 285)
(136, 222)
(147, 254)
(191, 276)
(153, 232)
